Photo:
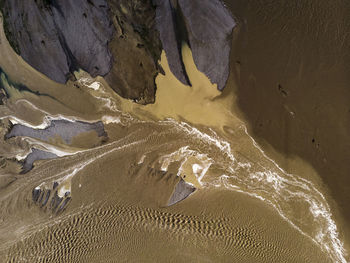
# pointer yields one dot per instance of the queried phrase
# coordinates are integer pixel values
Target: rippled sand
(245, 209)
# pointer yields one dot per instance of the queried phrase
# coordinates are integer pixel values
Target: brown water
(246, 208)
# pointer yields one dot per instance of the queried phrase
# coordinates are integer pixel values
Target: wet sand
(292, 69)
(245, 209)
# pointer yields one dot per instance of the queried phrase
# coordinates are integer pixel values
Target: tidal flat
(89, 176)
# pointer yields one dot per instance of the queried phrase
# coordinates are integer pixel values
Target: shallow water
(245, 209)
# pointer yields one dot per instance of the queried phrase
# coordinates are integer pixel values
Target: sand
(245, 209)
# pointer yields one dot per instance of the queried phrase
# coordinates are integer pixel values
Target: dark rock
(63, 205)
(47, 202)
(206, 25)
(169, 28)
(36, 194)
(209, 25)
(41, 196)
(34, 156)
(67, 130)
(114, 37)
(118, 39)
(181, 192)
(2, 96)
(55, 201)
(56, 38)
(136, 49)
(48, 192)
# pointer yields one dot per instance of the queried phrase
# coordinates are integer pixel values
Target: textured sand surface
(107, 201)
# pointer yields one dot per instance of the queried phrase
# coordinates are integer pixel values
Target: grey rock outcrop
(206, 25)
(209, 25)
(48, 198)
(64, 129)
(35, 155)
(181, 192)
(116, 39)
(120, 39)
(58, 37)
(167, 21)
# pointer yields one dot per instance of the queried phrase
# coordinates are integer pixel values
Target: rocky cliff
(120, 39)
(206, 26)
(136, 49)
(58, 37)
(115, 39)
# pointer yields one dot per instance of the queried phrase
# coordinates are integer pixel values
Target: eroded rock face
(120, 39)
(35, 155)
(209, 25)
(206, 25)
(136, 49)
(64, 129)
(51, 199)
(58, 37)
(168, 25)
(112, 38)
(181, 192)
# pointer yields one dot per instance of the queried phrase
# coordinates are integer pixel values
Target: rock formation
(136, 49)
(58, 37)
(181, 192)
(115, 38)
(206, 26)
(120, 39)
(49, 199)
(66, 130)
(169, 26)
(35, 155)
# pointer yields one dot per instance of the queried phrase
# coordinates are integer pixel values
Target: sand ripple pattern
(82, 237)
(231, 169)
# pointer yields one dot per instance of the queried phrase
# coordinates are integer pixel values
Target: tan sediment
(117, 215)
(19, 71)
(118, 208)
(200, 104)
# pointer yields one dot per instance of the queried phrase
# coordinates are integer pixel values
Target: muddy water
(245, 209)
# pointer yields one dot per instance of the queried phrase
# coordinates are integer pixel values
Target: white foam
(196, 168)
(110, 119)
(64, 189)
(90, 83)
(181, 154)
(70, 173)
(46, 120)
(100, 93)
(268, 182)
(281, 185)
(222, 145)
(51, 148)
(14, 120)
(95, 85)
(201, 170)
(186, 156)
(23, 155)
